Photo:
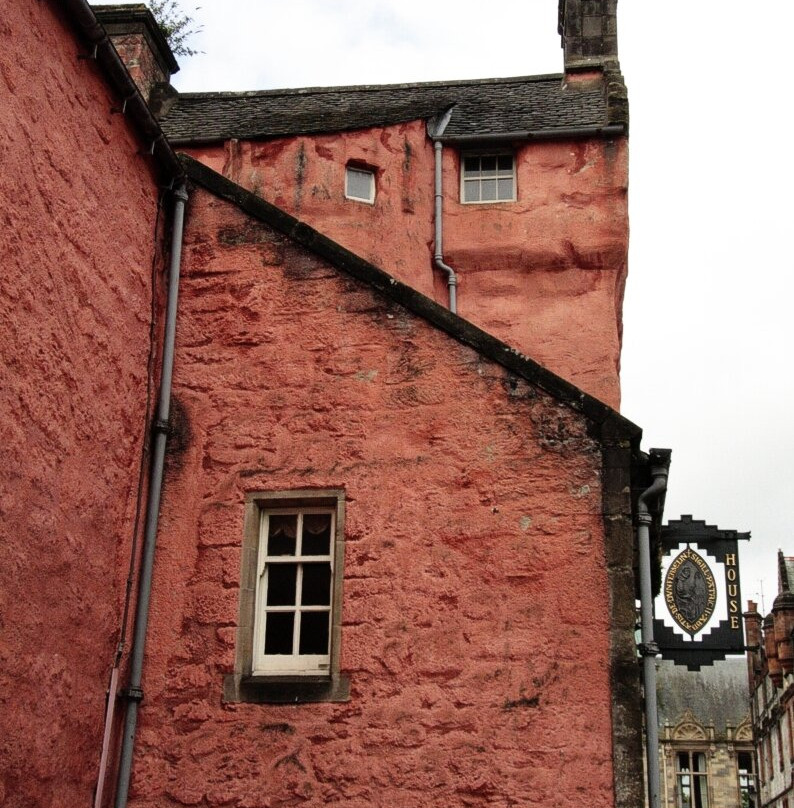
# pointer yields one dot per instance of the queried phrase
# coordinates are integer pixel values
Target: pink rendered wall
(475, 616)
(78, 218)
(545, 273)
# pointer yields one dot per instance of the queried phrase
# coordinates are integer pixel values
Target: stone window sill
(285, 689)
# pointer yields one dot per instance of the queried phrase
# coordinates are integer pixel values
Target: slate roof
(716, 694)
(484, 108)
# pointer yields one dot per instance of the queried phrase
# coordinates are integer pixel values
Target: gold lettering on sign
(731, 574)
(734, 621)
(730, 559)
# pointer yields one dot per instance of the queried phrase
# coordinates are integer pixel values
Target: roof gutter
(611, 130)
(133, 103)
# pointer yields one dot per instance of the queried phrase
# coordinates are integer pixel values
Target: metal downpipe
(160, 426)
(438, 257)
(660, 461)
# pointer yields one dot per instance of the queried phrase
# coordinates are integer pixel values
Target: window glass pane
(488, 190)
(684, 793)
(471, 191)
(505, 162)
(360, 184)
(683, 761)
(701, 794)
(699, 762)
(471, 165)
(281, 584)
(505, 189)
(316, 534)
(316, 585)
(314, 633)
(488, 163)
(282, 530)
(745, 761)
(278, 632)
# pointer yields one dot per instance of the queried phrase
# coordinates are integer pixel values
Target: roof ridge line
(370, 87)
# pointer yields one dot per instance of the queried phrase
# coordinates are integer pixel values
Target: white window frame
(476, 179)
(362, 170)
(294, 664)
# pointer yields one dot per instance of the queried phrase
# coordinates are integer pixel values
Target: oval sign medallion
(690, 591)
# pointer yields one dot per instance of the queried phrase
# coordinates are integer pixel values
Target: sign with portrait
(698, 613)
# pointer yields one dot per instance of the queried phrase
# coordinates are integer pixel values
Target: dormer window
(488, 178)
(360, 184)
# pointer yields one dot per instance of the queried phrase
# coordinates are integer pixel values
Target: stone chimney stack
(770, 647)
(783, 615)
(589, 33)
(140, 43)
(753, 638)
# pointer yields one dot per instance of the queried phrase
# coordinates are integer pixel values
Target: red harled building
(315, 491)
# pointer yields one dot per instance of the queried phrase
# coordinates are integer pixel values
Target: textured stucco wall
(476, 613)
(545, 273)
(78, 210)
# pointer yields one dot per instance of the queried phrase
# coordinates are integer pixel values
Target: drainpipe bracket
(132, 694)
(650, 649)
(161, 426)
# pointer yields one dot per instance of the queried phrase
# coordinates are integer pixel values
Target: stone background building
(706, 744)
(770, 668)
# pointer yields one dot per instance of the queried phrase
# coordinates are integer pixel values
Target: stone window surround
(242, 685)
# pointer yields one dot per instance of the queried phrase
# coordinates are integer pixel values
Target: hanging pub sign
(699, 612)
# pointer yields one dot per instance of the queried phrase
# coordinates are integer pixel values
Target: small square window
(488, 178)
(360, 184)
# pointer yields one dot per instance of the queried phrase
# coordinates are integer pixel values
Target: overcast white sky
(708, 324)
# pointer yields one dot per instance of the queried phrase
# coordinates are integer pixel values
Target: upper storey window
(360, 184)
(488, 178)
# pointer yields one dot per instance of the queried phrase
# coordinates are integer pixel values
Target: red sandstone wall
(78, 207)
(475, 611)
(545, 273)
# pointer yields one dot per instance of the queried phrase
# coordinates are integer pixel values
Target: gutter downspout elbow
(438, 211)
(134, 693)
(438, 257)
(660, 463)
